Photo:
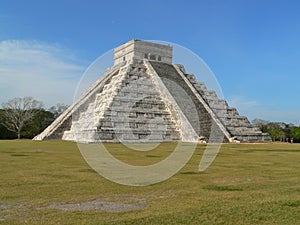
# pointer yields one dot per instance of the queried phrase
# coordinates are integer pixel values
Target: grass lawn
(49, 182)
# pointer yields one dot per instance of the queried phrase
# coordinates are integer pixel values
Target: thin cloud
(253, 109)
(240, 101)
(250, 108)
(30, 68)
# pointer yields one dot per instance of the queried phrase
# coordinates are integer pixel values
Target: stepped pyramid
(144, 97)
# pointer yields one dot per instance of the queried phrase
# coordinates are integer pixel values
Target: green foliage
(279, 131)
(276, 132)
(295, 133)
(6, 134)
(39, 122)
(18, 111)
(58, 109)
(32, 127)
(25, 117)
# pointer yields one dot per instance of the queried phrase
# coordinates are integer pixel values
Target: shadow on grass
(222, 188)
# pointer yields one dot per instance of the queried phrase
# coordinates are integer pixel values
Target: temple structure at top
(139, 50)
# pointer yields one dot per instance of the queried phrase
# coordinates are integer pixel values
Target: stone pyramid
(144, 97)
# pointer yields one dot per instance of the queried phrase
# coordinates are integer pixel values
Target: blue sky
(252, 47)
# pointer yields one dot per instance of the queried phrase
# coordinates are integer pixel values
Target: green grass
(246, 184)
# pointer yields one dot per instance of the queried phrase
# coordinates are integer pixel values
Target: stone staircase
(128, 109)
(238, 126)
(64, 121)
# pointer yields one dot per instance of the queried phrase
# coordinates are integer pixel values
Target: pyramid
(144, 97)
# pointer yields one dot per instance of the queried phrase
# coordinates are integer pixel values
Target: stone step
(137, 131)
(140, 112)
(107, 119)
(94, 136)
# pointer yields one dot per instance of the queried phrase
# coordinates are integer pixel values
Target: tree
(17, 112)
(275, 131)
(261, 124)
(58, 109)
(4, 133)
(37, 124)
(279, 131)
(295, 133)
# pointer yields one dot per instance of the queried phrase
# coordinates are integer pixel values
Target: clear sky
(253, 47)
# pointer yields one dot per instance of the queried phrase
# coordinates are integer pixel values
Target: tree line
(279, 131)
(26, 117)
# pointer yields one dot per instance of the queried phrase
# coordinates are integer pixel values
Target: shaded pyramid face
(143, 100)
